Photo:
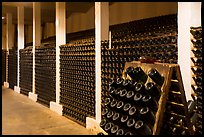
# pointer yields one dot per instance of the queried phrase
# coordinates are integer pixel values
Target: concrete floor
(22, 116)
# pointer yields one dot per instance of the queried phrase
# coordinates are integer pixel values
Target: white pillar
(60, 40)
(20, 42)
(101, 33)
(36, 40)
(9, 43)
(195, 14)
(189, 14)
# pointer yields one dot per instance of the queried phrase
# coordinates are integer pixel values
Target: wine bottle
(197, 89)
(120, 132)
(142, 129)
(130, 96)
(113, 104)
(128, 133)
(197, 43)
(124, 119)
(127, 84)
(110, 115)
(153, 90)
(120, 105)
(138, 99)
(147, 116)
(197, 70)
(123, 94)
(150, 102)
(119, 82)
(191, 107)
(198, 80)
(114, 129)
(130, 72)
(103, 123)
(196, 61)
(137, 74)
(126, 107)
(108, 127)
(156, 76)
(140, 88)
(197, 33)
(116, 118)
(105, 112)
(142, 77)
(197, 52)
(107, 101)
(113, 83)
(132, 111)
(194, 118)
(130, 122)
(115, 93)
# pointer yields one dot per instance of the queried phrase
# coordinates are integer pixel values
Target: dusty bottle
(103, 123)
(138, 99)
(116, 118)
(142, 129)
(114, 129)
(123, 94)
(120, 132)
(126, 107)
(150, 102)
(130, 123)
(153, 90)
(140, 88)
(119, 106)
(130, 96)
(147, 116)
(137, 74)
(133, 111)
(108, 127)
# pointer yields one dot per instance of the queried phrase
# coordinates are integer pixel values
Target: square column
(36, 41)
(189, 14)
(101, 33)
(60, 40)
(20, 43)
(9, 43)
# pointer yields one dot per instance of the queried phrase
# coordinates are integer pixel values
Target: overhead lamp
(3, 18)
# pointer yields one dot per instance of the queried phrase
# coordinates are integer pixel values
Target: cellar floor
(22, 116)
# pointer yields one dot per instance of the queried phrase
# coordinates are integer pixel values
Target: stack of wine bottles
(153, 37)
(3, 66)
(45, 74)
(129, 29)
(77, 79)
(12, 68)
(197, 73)
(26, 70)
(132, 104)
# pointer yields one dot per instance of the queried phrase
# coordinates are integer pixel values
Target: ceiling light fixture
(3, 18)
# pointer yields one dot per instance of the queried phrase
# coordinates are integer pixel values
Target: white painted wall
(4, 35)
(121, 12)
(29, 33)
(49, 29)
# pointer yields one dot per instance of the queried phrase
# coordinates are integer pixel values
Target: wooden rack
(171, 74)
